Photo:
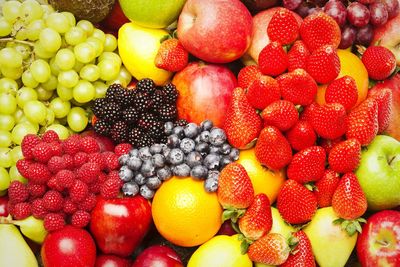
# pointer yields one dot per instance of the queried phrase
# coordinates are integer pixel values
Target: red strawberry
(323, 64)
(272, 148)
(302, 254)
(362, 122)
(263, 91)
(248, 75)
(345, 156)
(307, 165)
(298, 87)
(301, 135)
(327, 144)
(242, 124)
(283, 27)
(306, 114)
(296, 203)
(343, 91)
(257, 220)
(271, 249)
(320, 29)
(379, 61)
(297, 56)
(281, 114)
(329, 120)
(325, 187)
(171, 56)
(28, 143)
(273, 59)
(384, 99)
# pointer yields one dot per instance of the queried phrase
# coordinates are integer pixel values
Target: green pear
(331, 245)
(32, 228)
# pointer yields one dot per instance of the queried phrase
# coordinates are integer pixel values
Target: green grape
(75, 36)
(64, 93)
(77, 119)
(112, 56)
(50, 39)
(65, 59)
(10, 58)
(5, 138)
(41, 52)
(43, 95)
(35, 111)
(124, 78)
(5, 27)
(86, 25)
(101, 89)
(5, 157)
(99, 34)
(58, 22)
(18, 116)
(61, 130)
(110, 43)
(7, 122)
(84, 52)
(60, 107)
(8, 85)
(11, 10)
(47, 10)
(8, 104)
(50, 84)
(22, 34)
(109, 69)
(70, 17)
(40, 70)
(90, 73)
(23, 49)
(50, 117)
(30, 10)
(4, 179)
(78, 66)
(54, 67)
(84, 91)
(22, 129)
(68, 78)
(12, 73)
(16, 154)
(34, 28)
(28, 80)
(96, 44)
(15, 175)
(24, 95)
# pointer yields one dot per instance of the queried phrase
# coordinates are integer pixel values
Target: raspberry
(88, 203)
(103, 177)
(38, 173)
(68, 162)
(23, 166)
(17, 192)
(78, 191)
(28, 143)
(89, 145)
(80, 158)
(42, 152)
(122, 149)
(71, 145)
(36, 190)
(95, 187)
(69, 206)
(38, 211)
(55, 164)
(97, 158)
(80, 219)
(65, 178)
(50, 136)
(88, 172)
(21, 211)
(113, 175)
(53, 184)
(56, 148)
(111, 160)
(53, 222)
(110, 188)
(53, 201)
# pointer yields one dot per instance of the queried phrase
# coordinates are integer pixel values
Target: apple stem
(383, 243)
(391, 160)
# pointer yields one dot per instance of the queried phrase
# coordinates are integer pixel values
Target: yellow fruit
(184, 213)
(137, 48)
(264, 180)
(220, 251)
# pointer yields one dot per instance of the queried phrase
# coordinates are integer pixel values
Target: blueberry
(158, 160)
(187, 145)
(211, 185)
(217, 136)
(146, 192)
(130, 189)
(134, 163)
(234, 154)
(205, 136)
(176, 156)
(214, 150)
(134, 152)
(123, 159)
(211, 161)
(153, 182)
(164, 173)
(148, 168)
(206, 125)
(191, 130)
(178, 130)
(199, 172)
(139, 179)
(165, 151)
(225, 160)
(197, 139)
(125, 174)
(168, 126)
(193, 159)
(144, 153)
(155, 149)
(225, 149)
(213, 174)
(173, 140)
(181, 170)
(202, 148)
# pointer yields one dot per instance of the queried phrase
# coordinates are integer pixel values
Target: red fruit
(111, 261)
(55, 164)
(38, 173)
(50, 136)
(263, 91)
(69, 206)
(53, 201)
(343, 91)
(68, 162)
(329, 120)
(28, 143)
(271, 249)
(80, 219)
(56, 148)
(283, 27)
(53, 184)
(98, 159)
(302, 254)
(71, 145)
(111, 159)
(65, 178)
(88, 172)
(281, 114)
(89, 144)
(345, 156)
(248, 75)
(301, 135)
(53, 222)
(88, 203)
(323, 64)
(42, 152)
(78, 191)
(272, 149)
(320, 29)
(17, 192)
(157, 255)
(38, 211)
(307, 165)
(171, 56)
(298, 87)
(325, 187)
(296, 203)
(21, 211)
(307, 112)
(122, 149)
(111, 188)
(36, 190)
(242, 123)
(23, 166)
(80, 158)
(384, 98)
(273, 59)
(297, 56)
(379, 61)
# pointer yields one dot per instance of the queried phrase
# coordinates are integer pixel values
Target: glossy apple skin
(3, 206)
(115, 19)
(69, 247)
(105, 260)
(158, 255)
(205, 91)
(105, 143)
(119, 225)
(216, 31)
(383, 226)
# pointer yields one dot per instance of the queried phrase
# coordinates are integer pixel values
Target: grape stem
(10, 39)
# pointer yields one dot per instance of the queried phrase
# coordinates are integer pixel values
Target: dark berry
(191, 130)
(102, 127)
(134, 163)
(111, 112)
(153, 182)
(146, 192)
(145, 85)
(168, 126)
(113, 92)
(156, 149)
(167, 112)
(176, 156)
(147, 168)
(217, 136)
(206, 125)
(134, 136)
(139, 179)
(211, 185)
(211, 161)
(171, 93)
(164, 173)
(158, 160)
(119, 132)
(130, 189)
(98, 105)
(178, 130)
(146, 140)
(173, 141)
(187, 145)
(181, 170)
(194, 158)
(205, 136)
(131, 115)
(148, 120)
(142, 101)
(144, 153)
(126, 97)
(155, 130)
(181, 122)
(125, 173)
(199, 172)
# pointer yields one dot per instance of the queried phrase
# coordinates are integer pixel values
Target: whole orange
(184, 213)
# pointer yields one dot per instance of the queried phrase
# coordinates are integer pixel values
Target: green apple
(152, 13)
(379, 173)
(4, 179)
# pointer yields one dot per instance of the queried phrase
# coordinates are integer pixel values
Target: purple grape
(365, 35)
(366, 2)
(318, 3)
(393, 7)
(349, 34)
(379, 13)
(303, 10)
(315, 10)
(358, 14)
(292, 4)
(337, 10)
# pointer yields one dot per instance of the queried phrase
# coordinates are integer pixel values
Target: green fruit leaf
(244, 246)
(235, 227)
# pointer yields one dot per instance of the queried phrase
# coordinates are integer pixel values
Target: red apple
(258, 5)
(4, 206)
(216, 31)
(158, 255)
(379, 242)
(119, 225)
(205, 91)
(68, 247)
(105, 260)
(115, 19)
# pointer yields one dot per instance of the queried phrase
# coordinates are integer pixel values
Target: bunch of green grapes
(51, 67)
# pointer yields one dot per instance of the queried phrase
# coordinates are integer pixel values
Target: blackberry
(146, 85)
(113, 92)
(101, 127)
(142, 101)
(126, 97)
(119, 132)
(146, 140)
(147, 120)
(97, 107)
(134, 135)
(111, 112)
(170, 93)
(157, 97)
(130, 115)
(181, 122)
(167, 112)
(156, 130)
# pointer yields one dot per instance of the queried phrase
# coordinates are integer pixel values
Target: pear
(32, 228)
(14, 251)
(331, 245)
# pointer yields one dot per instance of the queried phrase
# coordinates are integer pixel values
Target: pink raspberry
(17, 192)
(53, 222)
(80, 218)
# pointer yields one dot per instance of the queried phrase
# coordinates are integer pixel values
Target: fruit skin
(247, 75)
(379, 61)
(81, 248)
(273, 59)
(215, 31)
(205, 91)
(263, 91)
(302, 254)
(111, 221)
(171, 56)
(279, 225)
(297, 56)
(3, 206)
(343, 91)
(377, 245)
(158, 255)
(379, 173)
(272, 249)
(323, 64)
(325, 188)
(281, 114)
(105, 260)
(329, 120)
(345, 156)
(301, 135)
(283, 27)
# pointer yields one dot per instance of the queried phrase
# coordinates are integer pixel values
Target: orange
(184, 213)
(351, 65)
(263, 179)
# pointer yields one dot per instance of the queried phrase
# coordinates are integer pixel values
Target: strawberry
(248, 75)
(283, 27)
(329, 120)
(307, 165)
(323, 64)
(325, 187)
(327, 144)
(379, 61)
(273, 59)
(301, 135)
(384, 99)
(257, 220)
(281, 114)
(306, 114)
(296, 203)
(319, 29)
(242, 124)
(263, 91)
(343, 91)
(171, 56)
(297, 56)
(271, 249)
(345, 156)
(272, 149)
(362, 122)
(298, 87)
(302, 254)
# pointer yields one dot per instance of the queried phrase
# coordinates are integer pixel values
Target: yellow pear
(32, 228)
